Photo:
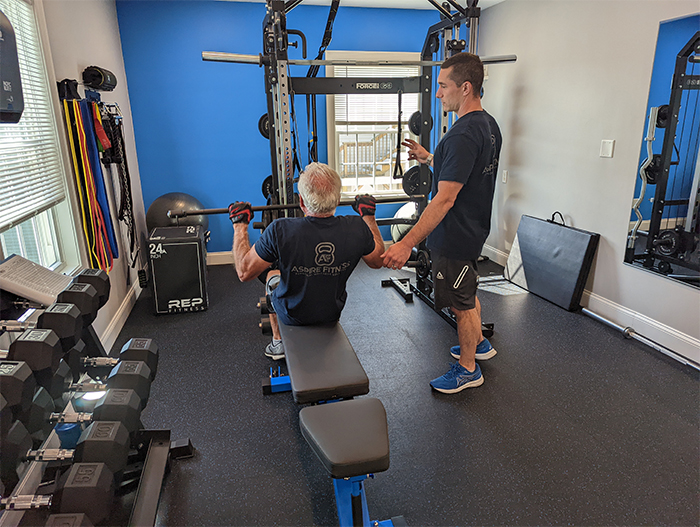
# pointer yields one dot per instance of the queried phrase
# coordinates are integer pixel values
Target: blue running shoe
(457, 379)
(484, 350)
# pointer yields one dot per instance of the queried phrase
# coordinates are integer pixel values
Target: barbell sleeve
(220, 56)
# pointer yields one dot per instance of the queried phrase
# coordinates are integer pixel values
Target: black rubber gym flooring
(574, 425)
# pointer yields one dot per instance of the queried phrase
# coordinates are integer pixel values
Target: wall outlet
(504, 177)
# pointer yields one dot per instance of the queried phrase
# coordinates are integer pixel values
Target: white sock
(275, 342)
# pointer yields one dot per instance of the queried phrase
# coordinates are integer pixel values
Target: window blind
(32, 178)
(374, 108)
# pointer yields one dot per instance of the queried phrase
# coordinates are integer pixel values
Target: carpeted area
(573, 425)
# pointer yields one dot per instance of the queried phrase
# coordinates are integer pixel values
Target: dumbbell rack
(147, 496)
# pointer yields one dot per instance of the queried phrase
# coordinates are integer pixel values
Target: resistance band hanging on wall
(111, 121)
(94, 208)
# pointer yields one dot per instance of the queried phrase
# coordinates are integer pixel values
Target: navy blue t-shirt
(316, 257)
(468, 153)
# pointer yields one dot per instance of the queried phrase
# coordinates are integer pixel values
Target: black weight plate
(665, 267)
(672, 242)
(411, 181)
(264, 126)
(414, 123)
(267, 187)
(662, 116)
(423, 267)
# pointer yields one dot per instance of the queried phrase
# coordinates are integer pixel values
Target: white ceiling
(393, 4)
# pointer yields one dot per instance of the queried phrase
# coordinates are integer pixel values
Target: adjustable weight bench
(352, 442)
(349, 436)
(322, 365)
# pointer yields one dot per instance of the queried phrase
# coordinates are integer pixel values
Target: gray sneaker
(275, 351)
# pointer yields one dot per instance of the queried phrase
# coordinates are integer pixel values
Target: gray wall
(582, 75)
(84, 33)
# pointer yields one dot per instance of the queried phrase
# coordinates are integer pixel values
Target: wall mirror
(664, 233)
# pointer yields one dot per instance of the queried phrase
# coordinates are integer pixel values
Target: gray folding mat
(551, 260)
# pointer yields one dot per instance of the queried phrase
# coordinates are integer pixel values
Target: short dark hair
(466, 67)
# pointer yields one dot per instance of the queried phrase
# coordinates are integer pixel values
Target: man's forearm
(378, 241)
(241, 243)
(372, 224)
(429, 219)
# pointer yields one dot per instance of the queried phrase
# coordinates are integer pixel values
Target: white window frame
(379, 128)
(52, 230)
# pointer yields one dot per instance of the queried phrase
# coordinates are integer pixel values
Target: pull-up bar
(220, 56)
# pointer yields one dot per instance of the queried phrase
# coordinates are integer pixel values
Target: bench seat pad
(349, 437)
(322, 364)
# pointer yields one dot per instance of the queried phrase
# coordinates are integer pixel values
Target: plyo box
(178, 258)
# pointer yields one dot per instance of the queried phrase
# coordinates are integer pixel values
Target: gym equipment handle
(184, 213)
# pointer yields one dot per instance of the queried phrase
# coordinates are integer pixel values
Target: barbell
(182, 213)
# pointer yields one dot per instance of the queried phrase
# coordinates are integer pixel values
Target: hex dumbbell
(63, 318)
(87, 488)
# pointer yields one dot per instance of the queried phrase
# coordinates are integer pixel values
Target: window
(35, 217)
(363, 128)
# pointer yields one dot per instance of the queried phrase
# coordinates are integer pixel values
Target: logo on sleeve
(325, 254)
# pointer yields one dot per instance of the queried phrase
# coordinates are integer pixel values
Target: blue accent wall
(673, 36)
(196, 122)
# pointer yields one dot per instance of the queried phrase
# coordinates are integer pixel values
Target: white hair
(319, 186)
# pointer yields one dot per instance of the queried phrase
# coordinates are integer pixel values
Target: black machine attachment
(99, 78)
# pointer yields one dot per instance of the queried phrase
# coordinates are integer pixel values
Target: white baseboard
(494, 254)
(668, 337)
(109, 337)
(676, 341)
(220, 258)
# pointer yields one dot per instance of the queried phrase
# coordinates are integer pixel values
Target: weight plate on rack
(264, 126)
(411, 181)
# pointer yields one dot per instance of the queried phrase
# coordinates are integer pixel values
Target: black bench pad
(349, 437)
(322, 364)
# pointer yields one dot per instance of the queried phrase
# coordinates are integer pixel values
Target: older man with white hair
(316, 254)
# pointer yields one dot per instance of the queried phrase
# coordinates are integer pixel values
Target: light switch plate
(606, 147)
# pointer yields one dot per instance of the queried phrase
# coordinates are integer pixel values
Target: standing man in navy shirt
(458, 218)
(316, 254)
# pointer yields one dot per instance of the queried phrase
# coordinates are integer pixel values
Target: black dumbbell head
(120, 405)
(132, 375)
(85, 298)
(144, 350)
(17, 383)
(86, 488)
(74, 359)
(59, 383)
(106, 442)
(73, 519)
(36, 417)
(13, 448)
(39, 348)
(5, 417)
(265, 326)
(65, 319)
(97, 278)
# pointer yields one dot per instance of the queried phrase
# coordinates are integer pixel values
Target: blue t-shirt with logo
(316, 257)
(468, 153)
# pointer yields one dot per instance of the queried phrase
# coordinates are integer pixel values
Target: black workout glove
(240, 212)
(365, 205)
